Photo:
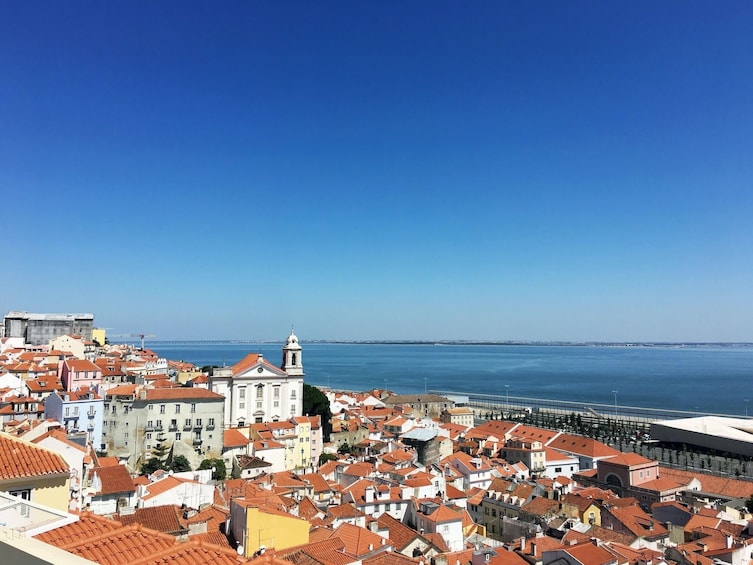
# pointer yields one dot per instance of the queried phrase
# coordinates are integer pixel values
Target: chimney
(729, 540)
(522, 543)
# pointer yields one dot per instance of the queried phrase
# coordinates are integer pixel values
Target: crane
(142, 336)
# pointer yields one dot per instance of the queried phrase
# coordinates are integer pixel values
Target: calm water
(704, 378)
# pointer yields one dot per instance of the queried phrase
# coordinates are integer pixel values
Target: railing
(172, 428)
(210, 427)
(187, 428)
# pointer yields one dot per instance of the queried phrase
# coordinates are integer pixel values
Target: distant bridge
(191, 342)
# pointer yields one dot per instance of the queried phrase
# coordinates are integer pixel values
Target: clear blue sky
(373, 170)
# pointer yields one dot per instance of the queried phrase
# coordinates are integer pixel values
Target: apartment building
(79, 411)
(138, 419)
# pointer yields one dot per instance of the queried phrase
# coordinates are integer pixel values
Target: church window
(277, 392)
(294, 359)
(260, 391)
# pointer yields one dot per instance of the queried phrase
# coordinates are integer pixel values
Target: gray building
(39, 329)
(186, 420)
(420, 405)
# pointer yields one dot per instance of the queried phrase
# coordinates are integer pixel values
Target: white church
(257, 391)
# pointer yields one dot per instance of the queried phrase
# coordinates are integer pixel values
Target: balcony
(197, 427)
(187, 428)
(172, 428)
(210, 427)
(91, 415)
(90, 426)
(148, 428)
(197, 441)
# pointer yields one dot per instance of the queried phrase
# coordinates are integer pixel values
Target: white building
(257, 391)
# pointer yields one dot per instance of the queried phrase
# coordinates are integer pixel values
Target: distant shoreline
(450, 342)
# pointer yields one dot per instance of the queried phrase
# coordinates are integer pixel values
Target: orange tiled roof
(121, 547)
(358, 541)
(167, 519)
(182, 393)
(114, 479)
(19, 459)
(88, 525)
(733, 488)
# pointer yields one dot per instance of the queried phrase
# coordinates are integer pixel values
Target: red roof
(19, 459)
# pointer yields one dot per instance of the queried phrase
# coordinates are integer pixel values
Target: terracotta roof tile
(121, 547)
(167, 519)
(88, 525)
(114, 479)
(19, 458)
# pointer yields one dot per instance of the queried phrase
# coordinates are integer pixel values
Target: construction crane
(142, 337)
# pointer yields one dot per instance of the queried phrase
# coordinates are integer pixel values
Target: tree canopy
(315, 403)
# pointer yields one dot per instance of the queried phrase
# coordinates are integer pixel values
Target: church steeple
(292, 363)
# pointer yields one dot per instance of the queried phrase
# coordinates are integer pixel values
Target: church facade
(256, 391)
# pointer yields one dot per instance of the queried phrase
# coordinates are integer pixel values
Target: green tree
(324, 457)
(315, 403)
(749, 504)
(180, 464)
(220, 470)
(151, 465)
(343, 449)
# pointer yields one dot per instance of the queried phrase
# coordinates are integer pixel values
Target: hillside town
(112, 454)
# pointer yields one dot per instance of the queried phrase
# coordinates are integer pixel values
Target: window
(292, 394)
(292, 409)
(198, 421)
(113, 409)
(67, 411)
(161, 408)
(259, 405)
(126, 434)
(150, 407)
(177, 408)
(260, 391)
(177, 436)
(149, 424)
(148, 446)
(193, 407)
(242, 393)
(276, 393)
(211, 421)
(148, 436)
(277, 403)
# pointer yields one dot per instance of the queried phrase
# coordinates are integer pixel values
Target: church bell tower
(292, 363)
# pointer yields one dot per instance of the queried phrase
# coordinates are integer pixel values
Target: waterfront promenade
(512, 406)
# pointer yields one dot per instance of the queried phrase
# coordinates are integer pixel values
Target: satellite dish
(240, 550)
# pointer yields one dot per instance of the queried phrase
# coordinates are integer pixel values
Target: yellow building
(34, 473)
(99, 335)
(302, 451)
(257, 525)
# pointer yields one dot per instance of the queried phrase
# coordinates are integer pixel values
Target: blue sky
(381, 170)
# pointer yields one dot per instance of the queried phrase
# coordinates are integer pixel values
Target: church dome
(292, 340)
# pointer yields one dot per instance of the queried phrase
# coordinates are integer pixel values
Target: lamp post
(615, 402)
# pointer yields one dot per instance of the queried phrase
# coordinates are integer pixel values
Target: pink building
(80, 373)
